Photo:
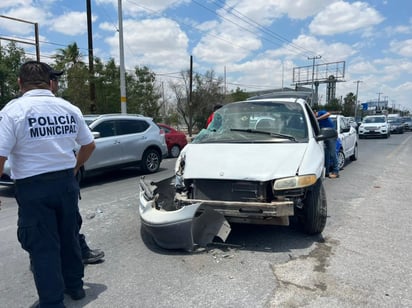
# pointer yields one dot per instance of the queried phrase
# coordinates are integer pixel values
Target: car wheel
(151, 161)
(314, 209)
(354, 156)
(175, 151)
(341, 159)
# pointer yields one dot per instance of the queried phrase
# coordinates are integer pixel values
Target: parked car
(396, 125)
(175, 140)
(352, 122)
(407, 122)
(259, 161)
(121, 141)
(124, 140)
(347, 145)
(374, 126)
(5, 178)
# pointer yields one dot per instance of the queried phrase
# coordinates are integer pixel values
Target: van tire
(314, 209)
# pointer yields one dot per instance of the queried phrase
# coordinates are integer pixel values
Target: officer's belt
(47, 176)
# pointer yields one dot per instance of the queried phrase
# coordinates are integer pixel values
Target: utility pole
(123, 102)
(379, 98)
(386, 100)
(92, 87)
(313, 101)
(190, 96)
(357, 91)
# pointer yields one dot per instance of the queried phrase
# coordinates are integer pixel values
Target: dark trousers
(48, 230)
(331, 158)
(82, 239)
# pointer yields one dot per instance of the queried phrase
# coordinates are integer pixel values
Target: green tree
(11, 58)
(142, 94)
(333, 105)
(349, 103)
(68, 57)
(238, 95)
(107, 83)
(74, 84)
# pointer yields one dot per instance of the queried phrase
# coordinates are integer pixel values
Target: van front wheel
(314, 211)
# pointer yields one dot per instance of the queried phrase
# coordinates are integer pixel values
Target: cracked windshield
(251, 121)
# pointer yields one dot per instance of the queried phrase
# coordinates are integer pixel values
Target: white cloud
(72, 23)
(403, 48)
(265, 11)
(259, 74)
(340, 17)
(222, 45)
(14, 3)
(27, 13)
(132, 8)
(157, 43)
(390, 31)
(363, 67)
(330, 52)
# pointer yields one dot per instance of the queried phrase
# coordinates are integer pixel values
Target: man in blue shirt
(331, 159)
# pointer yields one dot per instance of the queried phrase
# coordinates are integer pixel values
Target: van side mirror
(327, 133)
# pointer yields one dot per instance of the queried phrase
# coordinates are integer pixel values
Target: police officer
(38, 132)
(89, 256)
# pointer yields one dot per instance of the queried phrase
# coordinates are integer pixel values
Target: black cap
(53, 74)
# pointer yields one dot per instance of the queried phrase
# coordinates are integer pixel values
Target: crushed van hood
(242, 161)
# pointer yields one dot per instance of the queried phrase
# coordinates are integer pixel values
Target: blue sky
(254, 45)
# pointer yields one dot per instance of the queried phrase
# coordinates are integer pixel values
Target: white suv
(259, 161)
(125, 140)
(374, 126)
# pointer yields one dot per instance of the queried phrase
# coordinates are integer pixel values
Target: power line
(260, 27)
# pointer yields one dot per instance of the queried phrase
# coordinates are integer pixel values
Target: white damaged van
(260, 161)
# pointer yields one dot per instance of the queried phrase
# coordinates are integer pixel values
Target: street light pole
(356, 101)
(123, 101)
(379, 98)
(314, 101)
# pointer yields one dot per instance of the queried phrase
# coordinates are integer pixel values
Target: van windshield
(256, 121)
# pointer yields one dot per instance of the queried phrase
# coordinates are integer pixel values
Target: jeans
(331, 158)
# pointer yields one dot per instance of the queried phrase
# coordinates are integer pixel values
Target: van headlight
(295, 182)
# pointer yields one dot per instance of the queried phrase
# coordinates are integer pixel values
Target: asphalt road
(362, 259)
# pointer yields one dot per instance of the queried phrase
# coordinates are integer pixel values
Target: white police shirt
(38, 133)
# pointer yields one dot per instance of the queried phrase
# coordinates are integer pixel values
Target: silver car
(122, 140)
(125, 140)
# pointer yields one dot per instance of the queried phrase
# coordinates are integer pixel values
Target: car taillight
(162, 132)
